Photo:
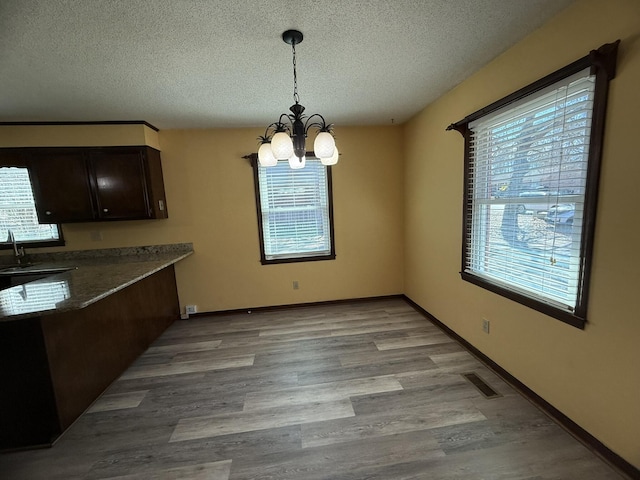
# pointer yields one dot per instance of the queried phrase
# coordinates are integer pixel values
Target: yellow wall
(210, 199)
(211, 195)
(593, 376)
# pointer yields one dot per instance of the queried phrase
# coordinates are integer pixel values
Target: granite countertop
(93, 275)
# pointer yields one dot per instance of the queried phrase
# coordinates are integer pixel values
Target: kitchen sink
(20, 270)
(21, 274)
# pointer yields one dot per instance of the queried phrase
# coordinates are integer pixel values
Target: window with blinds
(528, 169)
(532, 163)
(18, 211)
(295, 213)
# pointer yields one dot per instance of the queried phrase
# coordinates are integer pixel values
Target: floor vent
(481, 385)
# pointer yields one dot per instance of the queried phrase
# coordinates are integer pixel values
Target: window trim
(602, 63)
(12, 157)
(253, 158)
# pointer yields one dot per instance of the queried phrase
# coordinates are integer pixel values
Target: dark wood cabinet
(11, 157)
(119, 184)
(84, 184)
(61, 186)
(127, 183)
(53, 367)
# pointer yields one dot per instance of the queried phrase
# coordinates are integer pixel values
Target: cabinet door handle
(48, 212)
(105, 210)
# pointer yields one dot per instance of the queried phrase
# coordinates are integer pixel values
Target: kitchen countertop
(94, 274)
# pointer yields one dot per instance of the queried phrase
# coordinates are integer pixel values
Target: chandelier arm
(320, 125)
(283, 125)
(270, 131)
(266, 138)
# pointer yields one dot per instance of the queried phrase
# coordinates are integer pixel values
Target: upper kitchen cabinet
(61, 186)
(96, 184)
(127, 183)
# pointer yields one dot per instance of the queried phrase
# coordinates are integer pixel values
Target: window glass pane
(527, 178)
(295, 210)
(18, 211)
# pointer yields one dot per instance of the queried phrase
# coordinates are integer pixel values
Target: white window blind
(18, 211)
(295, 211)
(526, 178)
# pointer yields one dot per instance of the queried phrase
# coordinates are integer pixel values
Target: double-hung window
(18, 211)
(532, 163)
(295, 212)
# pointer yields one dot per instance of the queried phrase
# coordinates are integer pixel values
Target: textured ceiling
(216, 63)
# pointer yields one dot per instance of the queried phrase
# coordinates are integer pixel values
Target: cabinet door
(60, 184)
(155, 183)
(118, 177)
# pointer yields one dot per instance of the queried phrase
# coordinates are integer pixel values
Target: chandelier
(286, 138)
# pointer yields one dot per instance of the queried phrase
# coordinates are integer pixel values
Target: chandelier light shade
(332, 160)
(296, 163)
(324, 145)
(266, 156)
(286, 138)
(281, 146)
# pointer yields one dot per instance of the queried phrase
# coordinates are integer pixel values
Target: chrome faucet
(17, 252)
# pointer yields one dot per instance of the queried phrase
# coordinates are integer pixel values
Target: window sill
(314, 258)
(545, 308)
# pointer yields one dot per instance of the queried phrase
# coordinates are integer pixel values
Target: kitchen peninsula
(64, 338)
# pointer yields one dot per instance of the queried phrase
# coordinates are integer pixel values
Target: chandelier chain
(296, 98)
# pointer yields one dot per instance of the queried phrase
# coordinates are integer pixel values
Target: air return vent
(481, 385)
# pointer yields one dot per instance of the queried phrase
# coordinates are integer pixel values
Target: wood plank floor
(364, 390)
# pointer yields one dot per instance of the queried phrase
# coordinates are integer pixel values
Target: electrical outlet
(485, 325)
(96, 235)
(190, 309)
(296, 285)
